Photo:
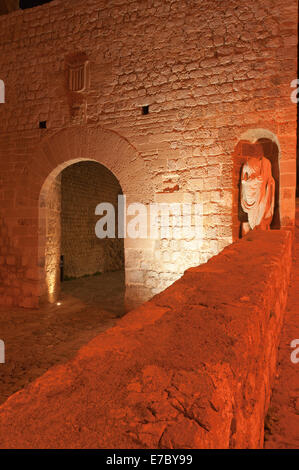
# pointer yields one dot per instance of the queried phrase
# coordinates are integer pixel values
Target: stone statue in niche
(257, 191)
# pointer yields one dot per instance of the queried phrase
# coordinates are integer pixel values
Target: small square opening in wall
(43, 125)
(145, 110)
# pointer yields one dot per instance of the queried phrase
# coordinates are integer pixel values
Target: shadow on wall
(271, 152)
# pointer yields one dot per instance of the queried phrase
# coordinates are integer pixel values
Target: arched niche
(271, 150)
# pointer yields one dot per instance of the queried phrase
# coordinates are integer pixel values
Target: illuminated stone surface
(210, 76)
(192, 368)
(211, 79)
(6, 6)
(282, 422)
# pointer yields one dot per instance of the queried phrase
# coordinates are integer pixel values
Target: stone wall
(51, 258)
(6, 6)
(212, 73)
(192, 368)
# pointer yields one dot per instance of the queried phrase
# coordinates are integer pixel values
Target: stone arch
(272, 151)
(72, 145)
(106, 147)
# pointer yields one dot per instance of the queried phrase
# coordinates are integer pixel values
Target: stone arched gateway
(106, 147)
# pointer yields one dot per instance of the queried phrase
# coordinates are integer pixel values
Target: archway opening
(75, 263)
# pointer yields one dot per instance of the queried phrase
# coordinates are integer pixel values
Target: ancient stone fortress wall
(192, 368)
(212, 73)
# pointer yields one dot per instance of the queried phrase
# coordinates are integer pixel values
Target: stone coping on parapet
(192, 368)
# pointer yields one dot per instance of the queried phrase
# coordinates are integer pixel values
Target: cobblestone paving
(35, 340)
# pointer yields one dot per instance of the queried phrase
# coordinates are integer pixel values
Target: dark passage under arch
(84, 185)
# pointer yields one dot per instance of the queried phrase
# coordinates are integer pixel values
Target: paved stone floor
(282, 423)
(36, 340)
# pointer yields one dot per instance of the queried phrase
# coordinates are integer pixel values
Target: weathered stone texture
(212, 73)
(6, 6)
(192, 368)
(53, 239)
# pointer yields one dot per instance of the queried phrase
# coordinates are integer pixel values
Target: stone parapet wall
(192, 368)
